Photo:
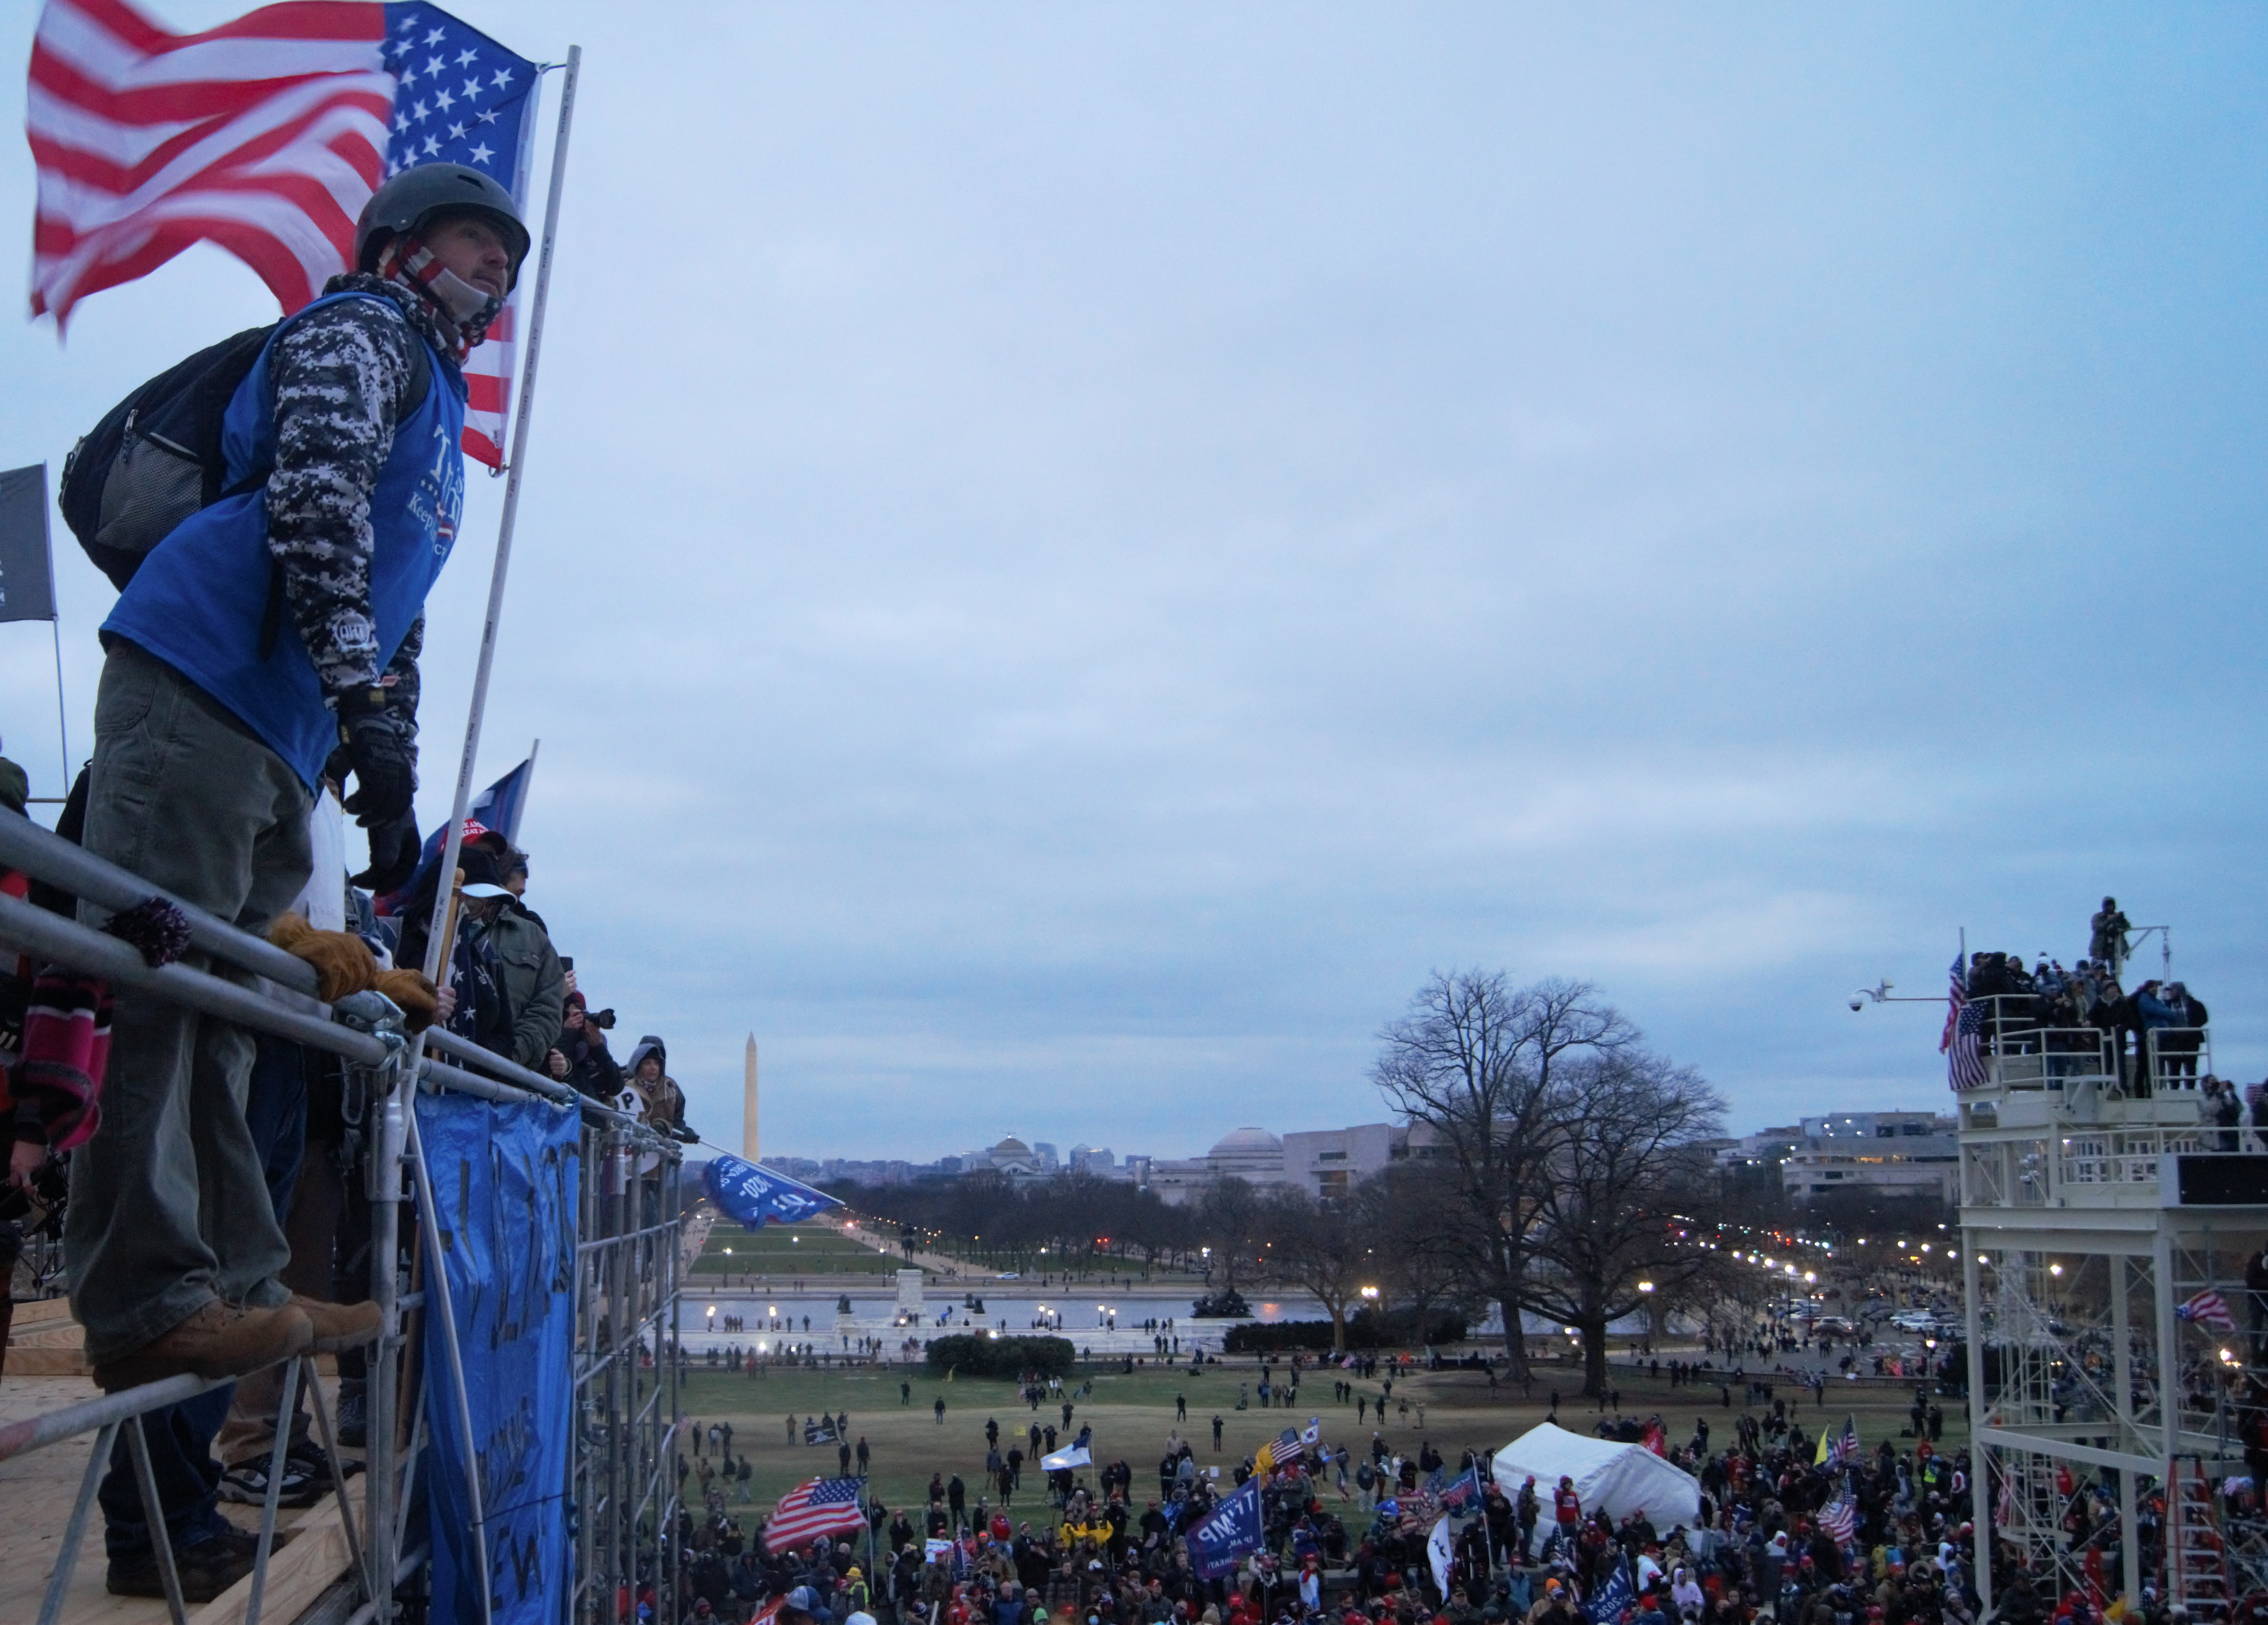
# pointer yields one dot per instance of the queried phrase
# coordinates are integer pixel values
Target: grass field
(1132, 1415)
(785, 1251)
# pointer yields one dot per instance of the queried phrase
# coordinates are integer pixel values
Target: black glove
(384, 750)
(393, 849)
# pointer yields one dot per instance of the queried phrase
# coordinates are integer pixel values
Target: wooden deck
(36, 1492)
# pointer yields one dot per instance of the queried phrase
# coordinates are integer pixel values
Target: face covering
(465, 312)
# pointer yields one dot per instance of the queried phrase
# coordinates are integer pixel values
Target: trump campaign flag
(1228, 1534)
(266, 137)
(757, 1197)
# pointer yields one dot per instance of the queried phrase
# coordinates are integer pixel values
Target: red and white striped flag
(2208, 1309)
(816, 1507)
(265, 135)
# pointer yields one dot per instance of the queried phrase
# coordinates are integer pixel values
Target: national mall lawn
(1132, 1415)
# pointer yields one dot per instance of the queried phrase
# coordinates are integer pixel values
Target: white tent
(1621, 1478)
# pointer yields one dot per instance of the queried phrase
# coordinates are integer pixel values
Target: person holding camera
(580, 1056)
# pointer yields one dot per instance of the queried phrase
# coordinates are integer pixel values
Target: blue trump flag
(757, 1197)
(1227, 1534)
(1614, 1594)
(504, 1191)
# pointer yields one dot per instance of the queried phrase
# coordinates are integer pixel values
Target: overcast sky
(1072, 554)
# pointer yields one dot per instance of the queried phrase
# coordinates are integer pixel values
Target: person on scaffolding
(272, 633)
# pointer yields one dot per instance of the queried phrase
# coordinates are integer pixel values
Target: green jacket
(533, 984)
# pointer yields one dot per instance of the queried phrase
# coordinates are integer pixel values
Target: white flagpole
(454, 837)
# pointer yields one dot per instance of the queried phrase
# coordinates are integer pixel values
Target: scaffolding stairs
(2196, 1557)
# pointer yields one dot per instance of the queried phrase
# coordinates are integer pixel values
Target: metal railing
(2020, 1051)
(620, 1495)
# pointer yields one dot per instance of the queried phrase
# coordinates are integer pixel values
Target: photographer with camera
(580, 1056)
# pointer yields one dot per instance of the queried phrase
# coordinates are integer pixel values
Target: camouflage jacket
(343, 376)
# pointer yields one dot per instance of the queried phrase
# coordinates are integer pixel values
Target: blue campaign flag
(1463, 1494)
(757, 1197)
(1605, 1606)
(1228, 1534)
(499, 808)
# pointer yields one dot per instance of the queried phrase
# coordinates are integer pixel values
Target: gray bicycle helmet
(403, 202)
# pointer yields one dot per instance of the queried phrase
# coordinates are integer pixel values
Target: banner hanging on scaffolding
(505, 1179)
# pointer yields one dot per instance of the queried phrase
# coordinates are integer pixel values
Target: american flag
(816, 1507)
(1962, 1044)
(1840, 1517)
(265, 135)
(2208, 1309)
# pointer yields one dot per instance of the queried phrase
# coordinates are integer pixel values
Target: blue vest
(200, 598)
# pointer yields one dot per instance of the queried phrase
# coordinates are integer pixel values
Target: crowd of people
(1882, 1536)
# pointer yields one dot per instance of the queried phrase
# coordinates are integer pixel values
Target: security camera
(1857, 1003)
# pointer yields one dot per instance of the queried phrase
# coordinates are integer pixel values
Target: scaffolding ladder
(2197, 1558)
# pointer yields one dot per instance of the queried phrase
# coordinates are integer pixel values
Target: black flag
(27, 577)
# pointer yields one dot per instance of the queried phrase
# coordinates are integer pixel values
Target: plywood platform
(36, 1491)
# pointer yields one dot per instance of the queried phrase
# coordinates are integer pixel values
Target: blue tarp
(504, 1191)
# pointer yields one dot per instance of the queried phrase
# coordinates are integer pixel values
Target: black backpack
(155, 458)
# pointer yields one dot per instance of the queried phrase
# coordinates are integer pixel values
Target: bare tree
(1421, 1239)
(1475, 1066)
(1320, 1246)
(1228, 1222)
(1616, 1213)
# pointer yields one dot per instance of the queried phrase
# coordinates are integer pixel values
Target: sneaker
(339, 1326)
(247, 1484)
(205, 1570)
(352, 1419)
(309, 1458)
(219, 1339)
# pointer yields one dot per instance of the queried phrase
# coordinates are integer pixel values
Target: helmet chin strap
(464, 310)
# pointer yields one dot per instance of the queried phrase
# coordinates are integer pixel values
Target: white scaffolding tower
(2113, 1349)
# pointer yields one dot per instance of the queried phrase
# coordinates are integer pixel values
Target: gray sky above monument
(1078, 553)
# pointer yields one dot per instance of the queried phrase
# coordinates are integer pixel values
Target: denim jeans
(169, 1205)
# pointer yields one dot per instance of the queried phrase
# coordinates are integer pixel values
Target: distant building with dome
(1327, 1163)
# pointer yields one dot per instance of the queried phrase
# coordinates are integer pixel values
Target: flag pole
(453, 839)
(62, 732)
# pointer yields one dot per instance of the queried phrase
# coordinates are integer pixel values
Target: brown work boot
(219, 1339)
(339, 1326)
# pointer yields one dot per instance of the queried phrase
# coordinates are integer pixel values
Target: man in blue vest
(270, 638)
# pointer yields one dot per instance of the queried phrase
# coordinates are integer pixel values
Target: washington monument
(748, 1104)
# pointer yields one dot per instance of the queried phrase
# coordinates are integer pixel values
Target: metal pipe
(51, 1608)
(34, 1431)
(49, 936)
(385, 1191)
(329, 1441)
(453, 841)
(275, 1455)
(45, 855)
(153, 1513)
(510, 1070)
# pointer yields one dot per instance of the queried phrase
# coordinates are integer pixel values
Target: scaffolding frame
(628, 1215)
(2082, 1239)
